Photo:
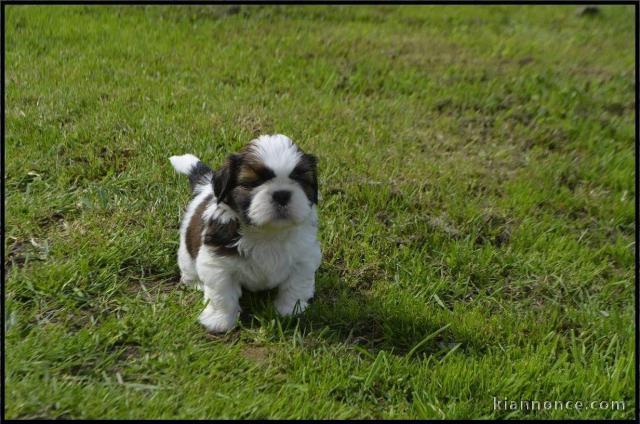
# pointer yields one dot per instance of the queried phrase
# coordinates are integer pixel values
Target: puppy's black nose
(282, 197)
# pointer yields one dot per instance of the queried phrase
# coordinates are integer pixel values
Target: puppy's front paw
(287, 307)
(189, 282)
(217, 321)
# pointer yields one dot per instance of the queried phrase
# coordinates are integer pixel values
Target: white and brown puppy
(253, 224)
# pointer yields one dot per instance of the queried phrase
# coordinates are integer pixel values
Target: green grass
(477, 210)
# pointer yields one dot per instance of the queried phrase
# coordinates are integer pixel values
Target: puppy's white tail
(198, 172)
(184, 163)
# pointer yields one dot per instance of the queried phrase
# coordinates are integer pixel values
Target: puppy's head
(271, 182)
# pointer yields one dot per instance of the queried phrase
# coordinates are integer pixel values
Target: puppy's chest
(265, 265)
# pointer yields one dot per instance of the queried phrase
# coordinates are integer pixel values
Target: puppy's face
(271, 182)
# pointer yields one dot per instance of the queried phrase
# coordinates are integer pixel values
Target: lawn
(476, 169)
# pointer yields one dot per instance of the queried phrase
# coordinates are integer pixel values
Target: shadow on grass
(345, 315)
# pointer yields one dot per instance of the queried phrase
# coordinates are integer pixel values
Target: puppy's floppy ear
(312, 163)
(225, 178)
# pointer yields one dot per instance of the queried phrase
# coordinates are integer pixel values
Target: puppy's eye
(301, 176)
(249, 184)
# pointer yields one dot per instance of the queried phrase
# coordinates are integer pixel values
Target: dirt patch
(494, 229)
(115, 159)
(257, 354)
(48, 220)
(359, 278)
(21, 251)
(130, 352)
(442, 224)
(17, 254)
(254, 124)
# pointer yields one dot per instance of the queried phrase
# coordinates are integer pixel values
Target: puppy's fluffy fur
(252, 224)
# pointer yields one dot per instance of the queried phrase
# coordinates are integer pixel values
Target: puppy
(253, 224)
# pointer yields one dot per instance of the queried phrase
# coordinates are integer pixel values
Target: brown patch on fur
(219, 236)
(253, 173)
(252, 163)
(194, 230)
(247, 174)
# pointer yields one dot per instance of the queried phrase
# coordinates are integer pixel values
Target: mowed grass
(477, 209)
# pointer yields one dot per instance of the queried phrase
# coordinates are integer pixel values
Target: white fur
(184, 163)
(219, 212)
(277, 152)
(282, 253)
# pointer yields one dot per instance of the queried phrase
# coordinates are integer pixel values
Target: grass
(477, 209)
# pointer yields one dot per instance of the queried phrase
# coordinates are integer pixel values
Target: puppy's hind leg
(187, 265)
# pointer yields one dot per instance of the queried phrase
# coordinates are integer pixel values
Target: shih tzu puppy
(252, 223)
